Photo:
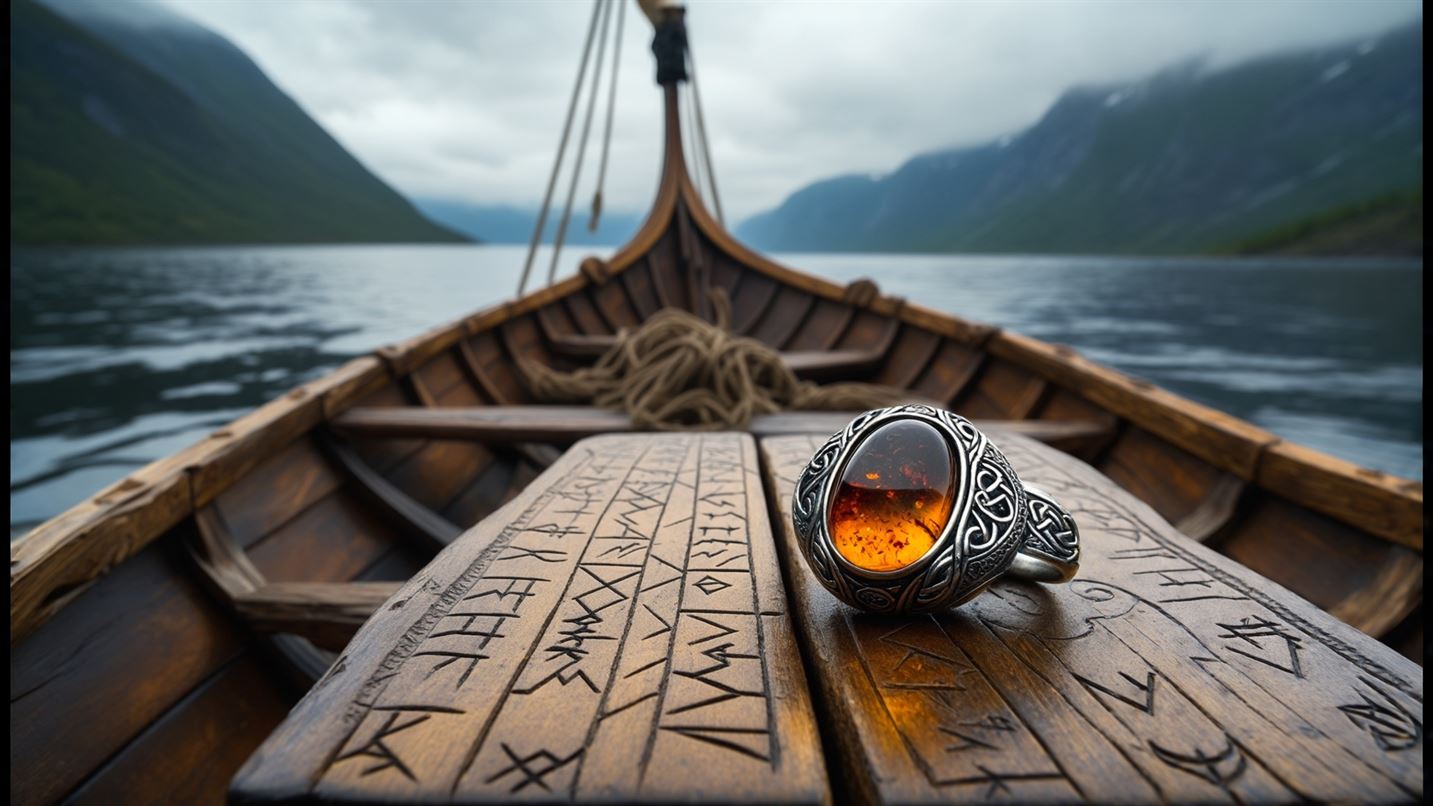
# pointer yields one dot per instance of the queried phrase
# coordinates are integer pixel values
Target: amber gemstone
(894, 497)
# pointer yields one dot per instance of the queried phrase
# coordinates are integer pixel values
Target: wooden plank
(523, 339)
(1062, 404)
(618, 631)
(1172, 481)
(1364, 580)
(726, 273)
(822, 327)
(561, 424)
(487, 390)
(1164, 672)
(1216, 510)
(92, 678)
(497, 368)
(1223, 441)
(251, 439)
(612, 302)
(57, 560)
(325, 613)
(189, 754)
(440, 374)
(1371, 500)
(352, 382)
(407, 355)
(637, 282)
(585, 314)
(753, 297)
(385, 454)
(807, 364)
(276, 490)
(869, 332)
(62, 557)
(420, 520)
(555, 321)
(668, 277)
(484, 494)
(231, 574)
(462, 393)
(950, 370)
(1001, 390)
(821, 365)
(910, 355)
(781, 317)
(582, 345)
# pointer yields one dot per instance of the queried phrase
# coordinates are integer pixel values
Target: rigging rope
(611, 107)
(691, 145)
(561, 149)
(679, 372)
(702, 130)
(581, 145)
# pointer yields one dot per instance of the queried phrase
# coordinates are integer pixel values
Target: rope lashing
(679, 372)
(581, 146)
(561, 148)
(706, 152)
(611, 108)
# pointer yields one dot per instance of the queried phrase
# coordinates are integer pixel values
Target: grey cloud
(463, 99)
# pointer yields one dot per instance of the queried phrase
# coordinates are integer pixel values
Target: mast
(678, 204)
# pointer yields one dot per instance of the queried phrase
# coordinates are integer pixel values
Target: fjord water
(122, 356)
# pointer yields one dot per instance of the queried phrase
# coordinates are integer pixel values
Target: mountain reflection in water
(122, 356)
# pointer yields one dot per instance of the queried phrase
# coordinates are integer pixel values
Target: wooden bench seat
(620, 632)
(566, 424)
(1163, 672)
(807, 364)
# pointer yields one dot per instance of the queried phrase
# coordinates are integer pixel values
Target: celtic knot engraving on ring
(1050, 530)
(978, 543)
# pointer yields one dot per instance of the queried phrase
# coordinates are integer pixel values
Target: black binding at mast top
(669, 45)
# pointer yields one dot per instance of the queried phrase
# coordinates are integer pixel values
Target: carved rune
(532, 769)
(1392, 727)
(1221, 768)
(1252, 630)
(1147, 688)
(994, 722)
(517, 588)
(376, 747)
(710, 585)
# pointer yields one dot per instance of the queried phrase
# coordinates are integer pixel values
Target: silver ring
(911, 509)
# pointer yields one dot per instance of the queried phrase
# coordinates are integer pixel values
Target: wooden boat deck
(622, 631)
(162, 628)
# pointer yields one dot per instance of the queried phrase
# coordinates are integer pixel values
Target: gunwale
(56, 561)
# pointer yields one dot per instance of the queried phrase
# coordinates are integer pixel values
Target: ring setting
(912, 509)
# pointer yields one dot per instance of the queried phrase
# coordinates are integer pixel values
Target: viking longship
(164, 627)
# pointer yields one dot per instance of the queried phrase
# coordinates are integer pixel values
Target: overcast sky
(464, 99)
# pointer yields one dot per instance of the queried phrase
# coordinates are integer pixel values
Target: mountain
(507, 224)
(131, 124)
(1187, 160)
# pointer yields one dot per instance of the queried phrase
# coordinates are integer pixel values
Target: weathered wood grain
(326, 613)
(1369, 499)
(618, 631)
(561, 424)
(1218, 438)
(1164, 672)
(189, 755)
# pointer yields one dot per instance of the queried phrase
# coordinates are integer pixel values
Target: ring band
(1050, 551)
(864, 511)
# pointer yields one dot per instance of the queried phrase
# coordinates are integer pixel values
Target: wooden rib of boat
(163, 627)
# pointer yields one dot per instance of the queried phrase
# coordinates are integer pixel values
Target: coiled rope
(679, 372)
